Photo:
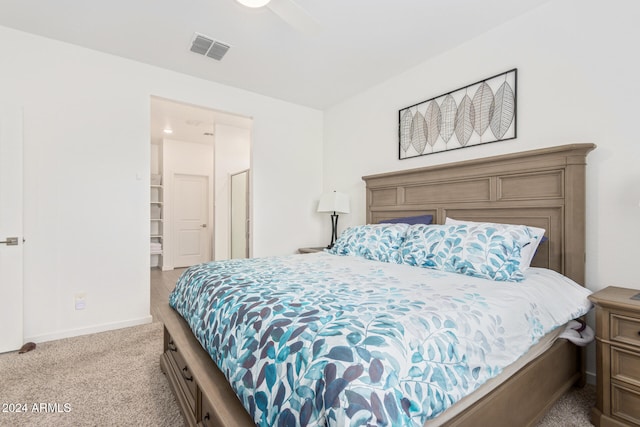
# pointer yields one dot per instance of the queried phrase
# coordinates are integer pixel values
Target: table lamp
(336, 203)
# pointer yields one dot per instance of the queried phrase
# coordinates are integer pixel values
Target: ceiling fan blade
(293, 14)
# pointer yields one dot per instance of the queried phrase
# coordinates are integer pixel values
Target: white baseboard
(90, 330)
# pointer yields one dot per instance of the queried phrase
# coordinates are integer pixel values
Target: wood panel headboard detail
(542, 188)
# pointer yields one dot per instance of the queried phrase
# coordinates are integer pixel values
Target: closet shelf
(156, 198)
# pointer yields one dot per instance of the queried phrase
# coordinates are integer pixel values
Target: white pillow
(528, 251)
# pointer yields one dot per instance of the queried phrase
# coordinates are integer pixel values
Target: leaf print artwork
(465, 120)
(478, 113)
(448, 109)
(418, 132)
(405, 130)
(433, 118)
(504, 112)
(483, 104)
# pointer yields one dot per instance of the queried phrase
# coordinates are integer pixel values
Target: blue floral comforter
(320, 339)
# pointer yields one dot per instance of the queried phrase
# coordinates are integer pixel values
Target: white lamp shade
(334, 202)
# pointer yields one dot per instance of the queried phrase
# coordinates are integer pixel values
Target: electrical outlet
(81, 301)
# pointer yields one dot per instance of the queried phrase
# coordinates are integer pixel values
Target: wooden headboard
(542, 188)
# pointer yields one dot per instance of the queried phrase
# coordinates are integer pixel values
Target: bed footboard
(203, 394)
(206, 399)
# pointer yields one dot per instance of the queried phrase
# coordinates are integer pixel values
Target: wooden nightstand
(310, 250)
(617, 357)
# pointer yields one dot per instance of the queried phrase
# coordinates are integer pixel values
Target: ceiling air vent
(207, 46)
(218, 50)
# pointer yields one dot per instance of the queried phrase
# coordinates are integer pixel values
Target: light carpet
(107, 379)
(114, 379)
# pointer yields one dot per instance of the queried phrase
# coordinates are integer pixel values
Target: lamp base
(334, 229)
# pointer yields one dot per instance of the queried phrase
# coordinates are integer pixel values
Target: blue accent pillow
(479, 250)
(379, 242)
(411, 220)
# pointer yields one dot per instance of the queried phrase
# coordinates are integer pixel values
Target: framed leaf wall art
(479, 113)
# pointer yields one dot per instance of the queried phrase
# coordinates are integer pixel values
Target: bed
(542, 188)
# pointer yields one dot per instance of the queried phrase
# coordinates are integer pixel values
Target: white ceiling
(359, 43)
(188, 122)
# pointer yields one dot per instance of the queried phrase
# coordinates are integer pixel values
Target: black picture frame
(476, 114)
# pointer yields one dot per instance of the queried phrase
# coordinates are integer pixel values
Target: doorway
(179, 134)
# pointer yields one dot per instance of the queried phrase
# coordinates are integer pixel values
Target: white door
(11, 293)
(190, 220)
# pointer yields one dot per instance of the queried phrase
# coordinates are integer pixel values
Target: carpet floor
(107, 379)
(114, 379)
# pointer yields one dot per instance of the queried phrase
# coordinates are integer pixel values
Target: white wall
(156, 158)
(87, 166)
(232, 155)
(577, 82)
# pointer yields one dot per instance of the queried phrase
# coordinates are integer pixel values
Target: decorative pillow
(379, 242)
(411, 220)
(481, 250)
(528, 250)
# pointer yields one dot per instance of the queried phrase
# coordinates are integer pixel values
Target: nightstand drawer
(625, 329)
(625, 403)
(617, 357)
(625, 366)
